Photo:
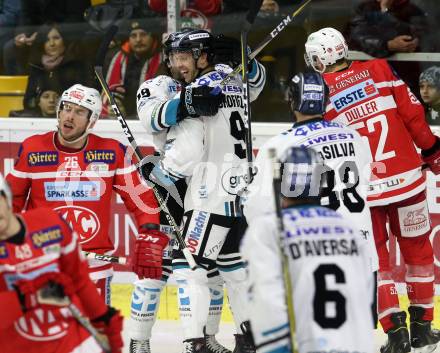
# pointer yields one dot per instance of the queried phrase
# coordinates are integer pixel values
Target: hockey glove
(198, 101)
(431, 157)
(227, 51)
(148, 253)
(110, 325)
(51, 290)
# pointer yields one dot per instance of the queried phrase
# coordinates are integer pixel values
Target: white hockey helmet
(86, 97)
(325, 47)
(6, 190)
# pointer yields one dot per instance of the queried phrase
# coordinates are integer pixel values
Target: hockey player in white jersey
(342, 149)
(327, 262)
(200, 130)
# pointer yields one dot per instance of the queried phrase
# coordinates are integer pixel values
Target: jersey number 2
(324, 296)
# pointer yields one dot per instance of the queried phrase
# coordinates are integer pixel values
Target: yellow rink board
(121, 296)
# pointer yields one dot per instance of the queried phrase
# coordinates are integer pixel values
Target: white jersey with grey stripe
(209, 152)
(158, 98)
(345, 154)
(332, 287)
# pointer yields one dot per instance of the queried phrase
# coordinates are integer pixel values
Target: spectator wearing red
(207, 7)
(138, 60)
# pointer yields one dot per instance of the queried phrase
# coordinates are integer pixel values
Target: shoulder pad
(159, 87)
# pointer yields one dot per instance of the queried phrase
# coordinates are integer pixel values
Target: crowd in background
(54, 43)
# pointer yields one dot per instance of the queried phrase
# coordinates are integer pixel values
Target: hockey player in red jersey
(369, 97)
(75, 173)
(40, 258)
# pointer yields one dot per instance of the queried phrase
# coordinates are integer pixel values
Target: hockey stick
(283, 24)
(284, 260)
(250, 18)
(107, 258)
(50, 298)
(99, 74)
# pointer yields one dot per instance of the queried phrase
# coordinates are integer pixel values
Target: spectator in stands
(429, 83)
(46, 103)
(53, 60)
(138, 59)
(381, 28)
(9, 13)
(267, 7)
(33, 14)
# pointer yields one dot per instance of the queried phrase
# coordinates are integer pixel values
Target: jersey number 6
(324, 296)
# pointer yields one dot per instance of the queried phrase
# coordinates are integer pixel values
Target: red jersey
(79, 185)
(48, 246)
(370, 98)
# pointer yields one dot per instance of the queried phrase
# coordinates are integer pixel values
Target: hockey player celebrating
(369, 97)
(204, 129)
(327, 263)
(75, 172)
(42, 275)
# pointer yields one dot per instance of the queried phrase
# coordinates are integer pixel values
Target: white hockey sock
(144, 306)
(193, 295)
(236, 285)
(216, 305)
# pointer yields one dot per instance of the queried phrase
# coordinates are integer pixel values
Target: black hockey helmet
(303, 173)
(197, 41)
(307, 93)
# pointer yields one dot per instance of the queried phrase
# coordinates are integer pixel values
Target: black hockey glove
(228, 51)
(198, 101)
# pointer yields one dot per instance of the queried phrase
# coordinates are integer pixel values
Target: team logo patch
(236, 178)
(414, 220)
(104, 156)
(82, 220)
(36, 159)
(99, 167)
(3, 251)
(76, 95)
(354, 95)
(72, 191)
(46, 236)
